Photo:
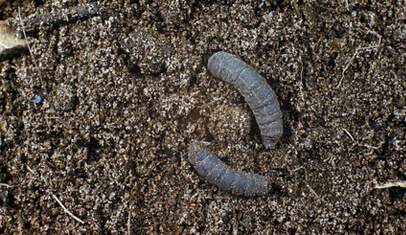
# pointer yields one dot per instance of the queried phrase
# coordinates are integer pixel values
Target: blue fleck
(36, 99)
(21, 90)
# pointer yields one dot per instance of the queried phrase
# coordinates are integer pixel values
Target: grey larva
(257, 93)
(210, 167)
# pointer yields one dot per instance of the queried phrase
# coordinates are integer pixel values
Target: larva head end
(217, 61)
(195, 147)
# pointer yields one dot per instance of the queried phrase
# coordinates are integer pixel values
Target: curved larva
(257, 93)
(210, 167)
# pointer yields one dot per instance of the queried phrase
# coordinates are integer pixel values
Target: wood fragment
(9, 40)
(7, 185)
(357, 51)
(66, 210)
(359, 144)
(401, 184)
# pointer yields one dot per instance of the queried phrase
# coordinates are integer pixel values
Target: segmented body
(257, 93)
(210, 167)
(264, 104)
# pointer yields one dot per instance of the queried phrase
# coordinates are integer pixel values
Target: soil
(124, 88)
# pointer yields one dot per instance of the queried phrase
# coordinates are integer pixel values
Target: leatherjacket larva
(257, 93)
(210, 167)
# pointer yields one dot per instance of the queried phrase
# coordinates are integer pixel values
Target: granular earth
(124, 89)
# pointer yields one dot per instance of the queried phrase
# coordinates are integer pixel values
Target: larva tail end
(213, 63)
(217, 61)
(263, 186)
(268, 142)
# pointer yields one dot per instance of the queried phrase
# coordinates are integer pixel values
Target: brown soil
(125, 88)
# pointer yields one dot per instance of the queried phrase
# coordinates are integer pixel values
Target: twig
(357, 143)
(28, 45)
(25, 36)
(41, 21)
(29, 168)
(7, 185)
(294, 170)
(346, 67)
(352, 58)
(235, 224)
(401, 184)
(312, 191)
(129, 223)
(66, 210)
(59, 202)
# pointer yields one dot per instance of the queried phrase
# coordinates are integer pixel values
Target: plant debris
(9, 41)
